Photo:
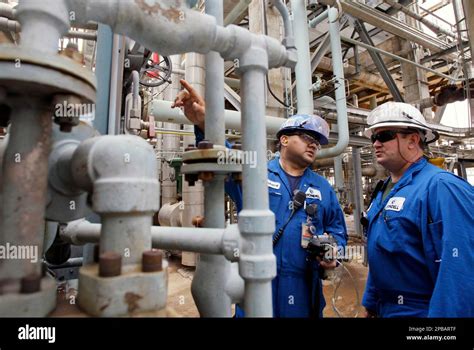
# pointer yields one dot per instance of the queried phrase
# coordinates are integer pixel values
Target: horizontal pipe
(315, 21)
(199, 240)
(15, 26)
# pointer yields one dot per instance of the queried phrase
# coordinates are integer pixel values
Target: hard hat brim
(430, 136)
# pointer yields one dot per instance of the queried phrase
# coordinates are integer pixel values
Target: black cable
(282, 229)
(266, 33)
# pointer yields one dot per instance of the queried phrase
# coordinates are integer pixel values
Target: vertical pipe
(338, 175)
(170, 146)
(256, 221)
(342, 124)
(42, 24)
(25, 170)
(304, 93)
(103, 73)
(127, 234)
(135, 89)
(212, 271)
(193, 196)
(461, 25)
(357, 190)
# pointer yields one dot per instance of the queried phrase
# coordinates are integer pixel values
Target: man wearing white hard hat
(419, 226)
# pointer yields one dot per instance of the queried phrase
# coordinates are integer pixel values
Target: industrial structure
(97, 169)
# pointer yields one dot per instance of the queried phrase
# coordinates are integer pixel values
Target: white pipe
(342, 123)
(304, 92)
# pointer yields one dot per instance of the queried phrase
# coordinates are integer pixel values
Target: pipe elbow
(120, 172)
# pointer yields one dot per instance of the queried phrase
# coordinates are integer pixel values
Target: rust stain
(172, 13)
(132, 301)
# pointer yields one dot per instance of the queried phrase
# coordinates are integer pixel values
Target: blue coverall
(296, 277)
(421, 246)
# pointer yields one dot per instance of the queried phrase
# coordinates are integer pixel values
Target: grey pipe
(7, 10)
(121, 174)
(24, 184)
(43, 23)
(338, 174)
(217, 241)
(256, 222)
(321, 17)
(135, 89)
(433, 26)
(342, 122)
(304, 92)
(372, 48)
(212, 271)
(82, 35)
(8, 25)
(289, 40)
(237, 11)
(358, 199)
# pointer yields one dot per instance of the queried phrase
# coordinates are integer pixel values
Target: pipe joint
(120, 172)
(231, 243)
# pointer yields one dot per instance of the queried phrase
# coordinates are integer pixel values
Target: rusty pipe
(24, 185)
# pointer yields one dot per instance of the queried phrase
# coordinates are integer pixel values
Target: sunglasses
(387, 135)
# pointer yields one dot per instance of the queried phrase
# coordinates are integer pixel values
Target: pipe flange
(217, 169)
(218, 160)
(36, 73)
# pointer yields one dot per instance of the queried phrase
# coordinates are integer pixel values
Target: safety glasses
(387, 135)
(308, 139)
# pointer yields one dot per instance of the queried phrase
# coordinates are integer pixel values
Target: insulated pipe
(342, 124)
(181, 29)
(212, 271)
(24, 184)
(121, 174)
(256, 222)
(304, 92)
(200, 240)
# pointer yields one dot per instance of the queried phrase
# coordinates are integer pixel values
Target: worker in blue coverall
(420, 225)
(297, 289)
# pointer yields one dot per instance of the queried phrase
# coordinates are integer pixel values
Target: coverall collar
(275, 167)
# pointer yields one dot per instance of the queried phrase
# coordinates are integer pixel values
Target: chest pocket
(275, 200)
(398, 233)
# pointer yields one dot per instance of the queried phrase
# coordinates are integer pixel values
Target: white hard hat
(400, 115)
